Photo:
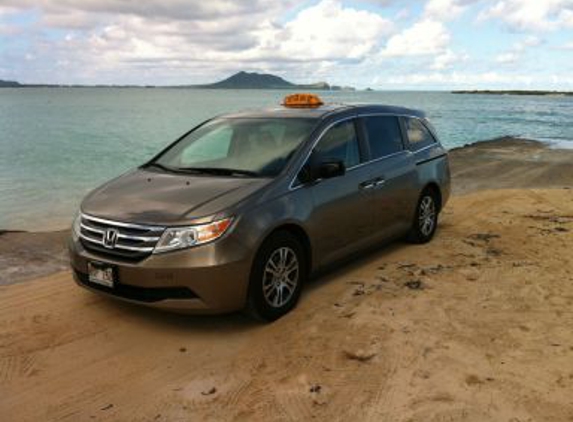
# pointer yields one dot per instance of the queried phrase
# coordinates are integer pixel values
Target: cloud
(518, 50)
(343, 41)
(531, 15)
(329, 31)
(211, 39)
(510, 57)
(448, 59)
(443, 9)
(183, 10)
(427, 37)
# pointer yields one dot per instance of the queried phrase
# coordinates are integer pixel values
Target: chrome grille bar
(142, 238)
(118, 246)
(132, 240)
(122, 224)
(91, 229)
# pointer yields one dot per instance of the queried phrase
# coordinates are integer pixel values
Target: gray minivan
(238, 212)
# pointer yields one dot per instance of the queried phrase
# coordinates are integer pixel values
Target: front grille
(118, 239)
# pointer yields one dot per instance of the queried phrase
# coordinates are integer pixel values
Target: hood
(149, 197)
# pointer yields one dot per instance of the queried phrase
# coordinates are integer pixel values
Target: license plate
(101, 274)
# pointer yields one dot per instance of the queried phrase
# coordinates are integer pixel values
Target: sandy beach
(474, 326)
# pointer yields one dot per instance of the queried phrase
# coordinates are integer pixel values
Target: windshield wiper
(219, 171)
(160, 166)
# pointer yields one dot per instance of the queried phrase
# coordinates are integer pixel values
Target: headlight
(184, 237)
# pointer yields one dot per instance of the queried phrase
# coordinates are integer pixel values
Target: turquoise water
(58, 143)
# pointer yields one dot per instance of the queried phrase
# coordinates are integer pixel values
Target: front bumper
(211, 278)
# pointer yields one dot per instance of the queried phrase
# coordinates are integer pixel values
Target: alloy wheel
(280, 276)
(427, 215)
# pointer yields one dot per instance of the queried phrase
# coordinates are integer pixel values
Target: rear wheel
(278, 273)
(426, 218)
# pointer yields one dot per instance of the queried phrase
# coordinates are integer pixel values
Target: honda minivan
(238, 212)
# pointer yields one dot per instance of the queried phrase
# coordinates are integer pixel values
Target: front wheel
(276, 278)
(426, 218)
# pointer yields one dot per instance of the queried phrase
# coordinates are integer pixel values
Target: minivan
(238, 212)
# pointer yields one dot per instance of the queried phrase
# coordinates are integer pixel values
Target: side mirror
(313, 171)
(330, 169)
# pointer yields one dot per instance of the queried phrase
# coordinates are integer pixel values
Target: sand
(475, 326)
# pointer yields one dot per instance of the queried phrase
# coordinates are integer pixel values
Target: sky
(382, 44)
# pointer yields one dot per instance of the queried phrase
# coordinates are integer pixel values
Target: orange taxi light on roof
(302, 100)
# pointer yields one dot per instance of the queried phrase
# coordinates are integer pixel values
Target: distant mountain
(9, 84)
(244, 80)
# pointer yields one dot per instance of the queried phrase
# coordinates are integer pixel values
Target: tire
(277, 276)
(425, 220)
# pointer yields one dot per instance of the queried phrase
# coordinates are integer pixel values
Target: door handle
(379, 182)
(370, 184)
(373, 183)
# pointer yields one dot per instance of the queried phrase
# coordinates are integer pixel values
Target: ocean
(59, 143)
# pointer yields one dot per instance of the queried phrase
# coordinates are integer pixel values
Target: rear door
(394, 176)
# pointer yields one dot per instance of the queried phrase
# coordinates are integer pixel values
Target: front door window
(339, 143)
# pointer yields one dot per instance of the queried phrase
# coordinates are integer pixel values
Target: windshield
(252, 147)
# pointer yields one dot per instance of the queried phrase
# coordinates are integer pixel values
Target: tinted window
(384, 135)
(418, 135)
(339, 143)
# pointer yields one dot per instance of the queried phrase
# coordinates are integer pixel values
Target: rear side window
(418, 135)
(384, 136)
(340, 143)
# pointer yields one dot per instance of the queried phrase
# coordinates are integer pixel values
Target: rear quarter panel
(433, 167)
